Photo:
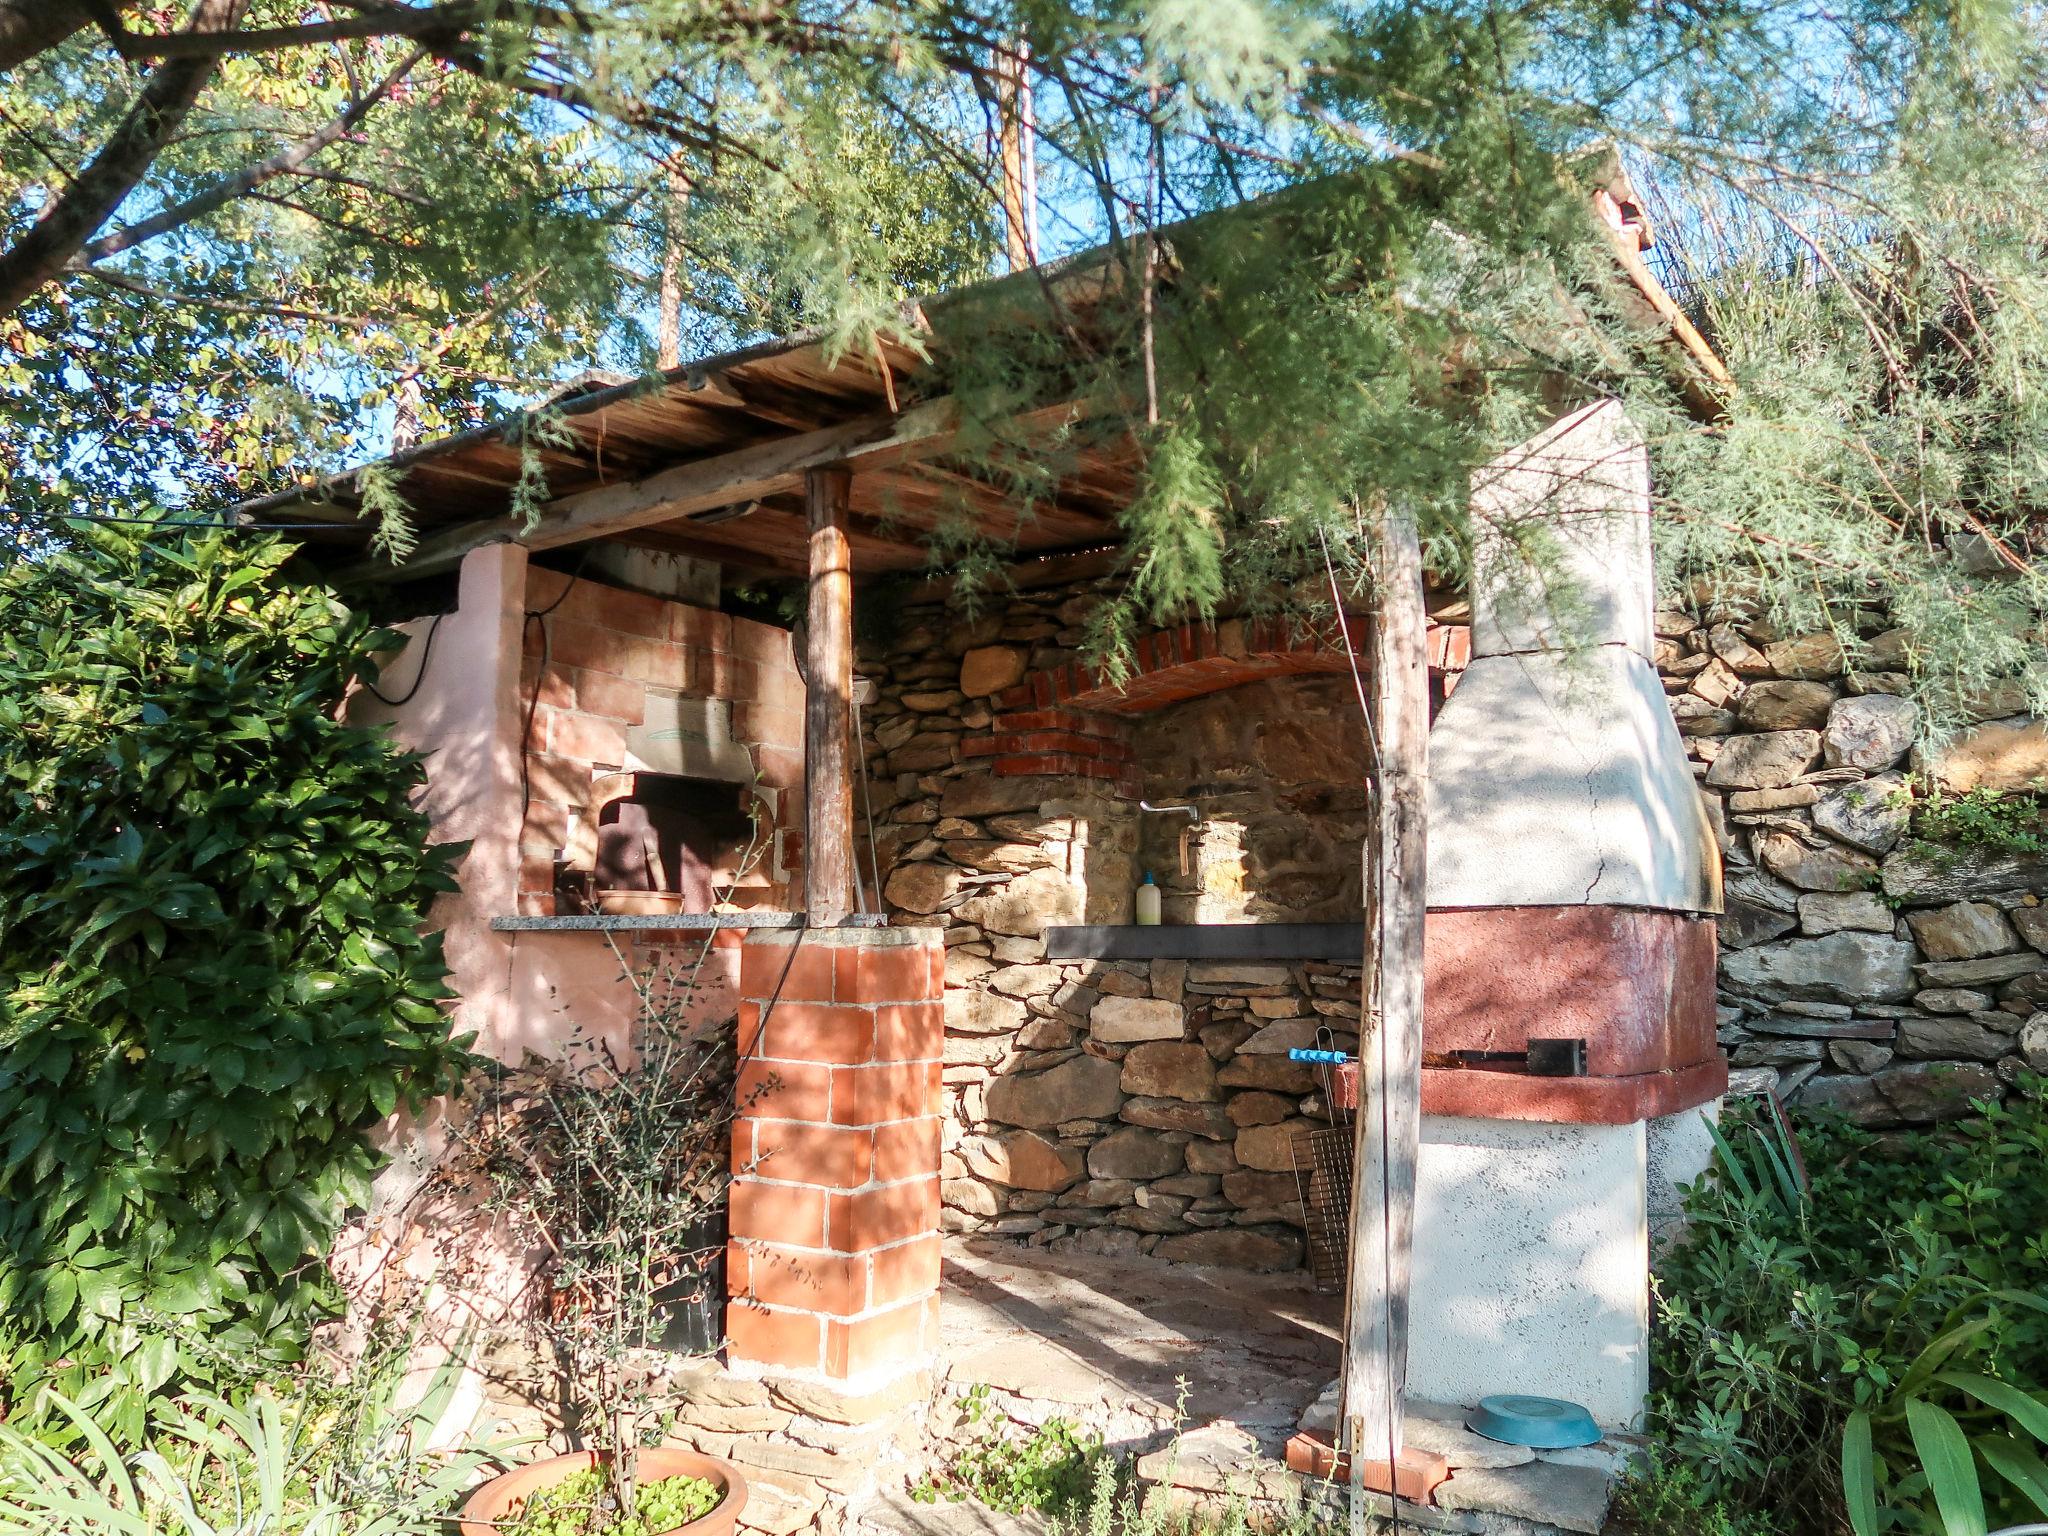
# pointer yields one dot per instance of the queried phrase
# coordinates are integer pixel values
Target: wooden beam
(1390, 1068)
(744, 474)
(828, 701)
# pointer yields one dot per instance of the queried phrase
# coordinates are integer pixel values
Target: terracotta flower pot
(487, 1510)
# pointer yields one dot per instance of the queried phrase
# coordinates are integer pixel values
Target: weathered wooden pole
(828, 698)
(1390, 1066)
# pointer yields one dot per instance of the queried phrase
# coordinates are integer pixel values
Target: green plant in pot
(613, 1162)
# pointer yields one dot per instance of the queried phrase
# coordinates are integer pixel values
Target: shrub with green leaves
(1869, 1353)
(212, 975)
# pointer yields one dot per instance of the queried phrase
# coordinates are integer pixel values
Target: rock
(1280, 1037)
(969, 1195)
(969, 1012)
(1770, 760)
(1275, 1007)
(1239, 973)
(963, 967)
(1543, 1492)
(1257, 1108)
(1955, 874)
(1193, 1119)
(1865, 966)
(1805, 656)
(1935, 1091)
(1861, 1056)
(1169, 979)
(2005, 756)
(2032, 923)
(1871, 815)
(1744, 923)
(1965, 931)
(1080, 1088)
(1823, 912)
(1814, 869)
(1026, 980)
(1123, 1020)
(1871, 731)
(1976, 973)
(1135, 1153)
(1951, 1000)
(1027, 905)
(1251, 1190)
(1856, 1098)
(1792, 797)
(1751, 1081)
(1775, 1053)
(983, 794)
(2033, 1042)
(1217, 1157)
(1275, 1073)
(1255, 1248)
(1785, 706)
(921, 887)
(1021, 1160)
(990, 669)
(1820, 1029)
(1948, 1039)
(1439, 1429)
(1169, 1070)
(1270, 1148)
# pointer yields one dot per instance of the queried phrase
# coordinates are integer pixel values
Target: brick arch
(1070, 719)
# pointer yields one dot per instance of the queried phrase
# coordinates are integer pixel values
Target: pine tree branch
(439, 24)
(90, 200)
(32, 27)
(283, 163)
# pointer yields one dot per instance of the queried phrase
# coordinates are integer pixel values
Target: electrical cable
(867, 806)
(426, 655)
(539, 616)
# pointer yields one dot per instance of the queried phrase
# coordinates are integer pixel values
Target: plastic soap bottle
(1148, 902)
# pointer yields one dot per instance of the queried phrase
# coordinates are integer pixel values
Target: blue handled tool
(1321, 1058)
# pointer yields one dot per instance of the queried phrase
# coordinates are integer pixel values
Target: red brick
(871, 1218)
(896, 1337)
(557, 691)
(832, 1157)
(747, 1039)
(892, 973)
(561, 780)
(1414, 1477)
(617, 698)
(781, 767)
(876, 1095)
(537, 871)
(703, 627)
(590, 737)
(572, 643)
(759, 642)
(833, 1283)
(907, 1270)
(785, 1090)
(774, 1337)
(778, 1213)
(772, 724)
(910, 1031)
(547, 825)
(906, 1149)
(778, 687)
(983, 746)
(795, 972)
(829, 1032)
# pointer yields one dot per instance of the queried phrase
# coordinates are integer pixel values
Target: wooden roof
(708, 459)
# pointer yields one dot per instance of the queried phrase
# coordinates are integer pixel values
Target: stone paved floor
(1110, 1341)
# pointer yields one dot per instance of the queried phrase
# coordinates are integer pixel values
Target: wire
(540, 616)
(426, 655)
(867, 810)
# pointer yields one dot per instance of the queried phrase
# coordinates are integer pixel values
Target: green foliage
(313, 1457)
(1662, 1497)
(212, 976)
(579, 1505)
(1873, 1353)
(1052, 1469)
(1982, 818)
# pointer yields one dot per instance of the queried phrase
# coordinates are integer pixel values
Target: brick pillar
(834, 1261)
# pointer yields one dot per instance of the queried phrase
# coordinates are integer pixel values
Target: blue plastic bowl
(1544, 1423)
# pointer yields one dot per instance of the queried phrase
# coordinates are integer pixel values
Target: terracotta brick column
(834, 1258)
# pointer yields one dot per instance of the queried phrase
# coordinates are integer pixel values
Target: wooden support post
(1390, 1068)
(828, 702)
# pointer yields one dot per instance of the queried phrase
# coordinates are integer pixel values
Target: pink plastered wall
(483, 694)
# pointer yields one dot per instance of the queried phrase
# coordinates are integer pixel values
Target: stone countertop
(1340, 942)
(619, 922)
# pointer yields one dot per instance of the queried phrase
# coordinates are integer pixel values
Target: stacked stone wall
(1861, 970)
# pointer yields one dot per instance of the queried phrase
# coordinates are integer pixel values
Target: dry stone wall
(1861, 970)
(1116, 1107)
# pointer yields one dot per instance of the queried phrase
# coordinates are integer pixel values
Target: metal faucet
(1193, 813)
